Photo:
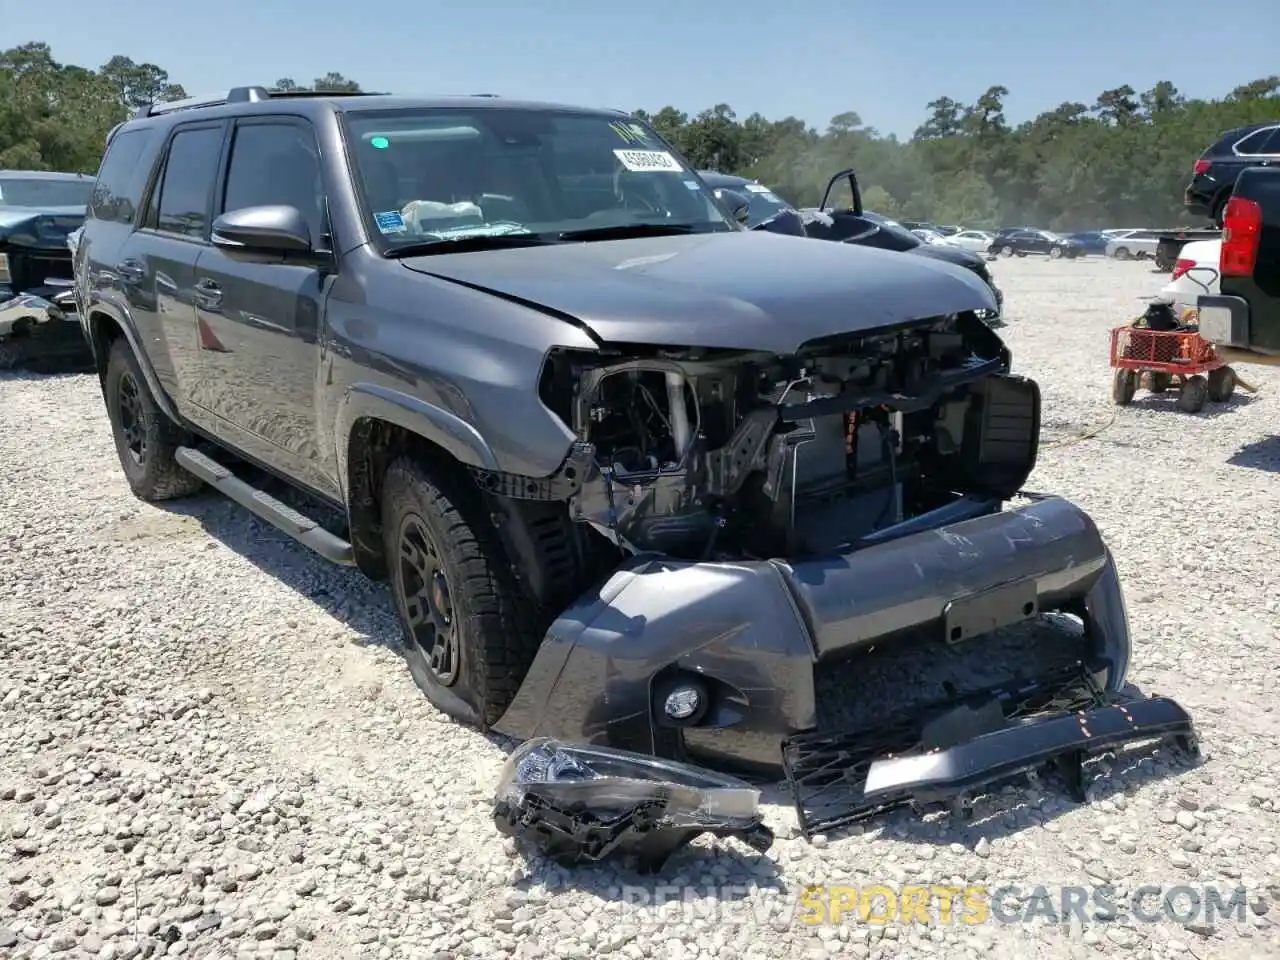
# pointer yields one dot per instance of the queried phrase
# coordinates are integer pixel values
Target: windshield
(765, 204)
(440, 175)
(38, 192)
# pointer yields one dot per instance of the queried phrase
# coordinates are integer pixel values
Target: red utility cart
(1166, 356)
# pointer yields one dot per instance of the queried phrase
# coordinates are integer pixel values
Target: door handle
(208, 293)
(131, 271)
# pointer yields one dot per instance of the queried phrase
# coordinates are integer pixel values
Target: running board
(284, 518)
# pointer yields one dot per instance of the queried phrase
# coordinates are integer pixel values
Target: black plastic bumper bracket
(951, 749)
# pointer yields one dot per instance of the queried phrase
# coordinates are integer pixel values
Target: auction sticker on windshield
(390, 221)
(648, 161)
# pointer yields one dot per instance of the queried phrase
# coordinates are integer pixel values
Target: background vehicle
(1133, 244)
(766, 210)
(1218, 168)
(1170, 243)
(1091, 241)
(1243, 318)
(841, 223)
(932, 236)
(1194, 275)
(975, 241)
(38, 211)
(1044, 242)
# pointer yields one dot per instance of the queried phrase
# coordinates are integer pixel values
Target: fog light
(682, 702)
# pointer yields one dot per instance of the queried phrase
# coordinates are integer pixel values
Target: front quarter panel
(455, 365)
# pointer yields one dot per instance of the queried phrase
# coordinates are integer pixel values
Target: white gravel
(208, 747)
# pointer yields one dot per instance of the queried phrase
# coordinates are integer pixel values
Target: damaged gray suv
(637, 476)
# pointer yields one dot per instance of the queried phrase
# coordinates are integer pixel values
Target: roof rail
(234, 95)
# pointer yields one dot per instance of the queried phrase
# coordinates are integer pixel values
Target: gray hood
(740, 290)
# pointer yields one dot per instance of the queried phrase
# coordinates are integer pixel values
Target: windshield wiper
(626, 230)
(480, 241)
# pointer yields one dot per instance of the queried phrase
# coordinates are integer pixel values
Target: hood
(745, 290)
(39, 228)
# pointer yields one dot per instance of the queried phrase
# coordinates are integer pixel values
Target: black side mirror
(275, 230)
(738, 204)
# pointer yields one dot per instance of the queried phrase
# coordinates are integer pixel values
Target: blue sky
(884, 60)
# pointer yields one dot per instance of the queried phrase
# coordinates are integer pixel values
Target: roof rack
(239, 95)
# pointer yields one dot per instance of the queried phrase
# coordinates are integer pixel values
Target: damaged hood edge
(739, 290)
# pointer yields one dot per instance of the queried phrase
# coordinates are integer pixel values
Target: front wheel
(1006, 251)
(1055, 253)
(1222, 384)
(1122, 253)
(1124, 383)
(145, 437)
(470, 631)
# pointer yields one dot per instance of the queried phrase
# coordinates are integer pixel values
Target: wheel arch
(104, 328)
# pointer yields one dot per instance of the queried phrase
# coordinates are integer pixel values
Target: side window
(122, 177)
(1272, 143)
(1255, 142)
(182, 201)
(276, 163)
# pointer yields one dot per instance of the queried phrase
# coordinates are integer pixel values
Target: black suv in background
(1257, 145)
(1022, 242)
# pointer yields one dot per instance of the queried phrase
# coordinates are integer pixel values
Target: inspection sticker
(648, 161)
(757, 188)
(389, 221)
(693, 184)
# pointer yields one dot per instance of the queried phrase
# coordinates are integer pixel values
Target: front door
(259, 323)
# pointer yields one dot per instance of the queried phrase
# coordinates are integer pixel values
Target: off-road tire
(498, 626)
(1194, 394)
(1159, 382)
(1124, 383)
(1222, 384)
(154, 475)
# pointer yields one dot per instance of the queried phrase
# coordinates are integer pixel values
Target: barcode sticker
(648, 161)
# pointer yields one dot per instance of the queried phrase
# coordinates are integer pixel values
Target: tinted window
(1272, 143)
(122, 177)
(42, 192)
(1255, 142)
(183, 201)
(276, 163)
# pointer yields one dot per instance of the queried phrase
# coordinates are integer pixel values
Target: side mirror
(738, 204)
(268, 229)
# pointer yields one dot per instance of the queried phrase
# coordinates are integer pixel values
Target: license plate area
(990, 610)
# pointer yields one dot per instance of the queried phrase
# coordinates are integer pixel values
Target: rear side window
(122, 177)
(1255, 142)
(1272, 143)
(186, 189)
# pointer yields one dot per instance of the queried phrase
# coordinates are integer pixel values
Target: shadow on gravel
(1168, 401)
(1261, 455)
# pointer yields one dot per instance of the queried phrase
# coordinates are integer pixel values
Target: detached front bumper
(24, 312)
(751, 636)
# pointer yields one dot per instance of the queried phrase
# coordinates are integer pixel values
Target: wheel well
(553, 558)
(103, 331)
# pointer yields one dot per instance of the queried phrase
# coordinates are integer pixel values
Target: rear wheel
(1194, 394)
(1124, 383)
(1158, 382)
(1006, 251)
(145, 437)
(1122, 253)
(470, 631)
(1222, 384)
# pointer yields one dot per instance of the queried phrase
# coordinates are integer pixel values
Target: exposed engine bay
(707, 455)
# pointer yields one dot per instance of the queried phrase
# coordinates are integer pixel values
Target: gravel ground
(209, 746)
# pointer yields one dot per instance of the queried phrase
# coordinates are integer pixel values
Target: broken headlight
(582, 804)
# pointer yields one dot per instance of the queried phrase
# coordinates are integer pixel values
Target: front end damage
(38, 313)
(780, 521)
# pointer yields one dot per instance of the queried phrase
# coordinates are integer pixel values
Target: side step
(303, 529)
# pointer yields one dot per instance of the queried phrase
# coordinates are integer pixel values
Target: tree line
(1120, 161)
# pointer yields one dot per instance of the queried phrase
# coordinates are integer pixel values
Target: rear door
(159, 264)
(259, 323)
